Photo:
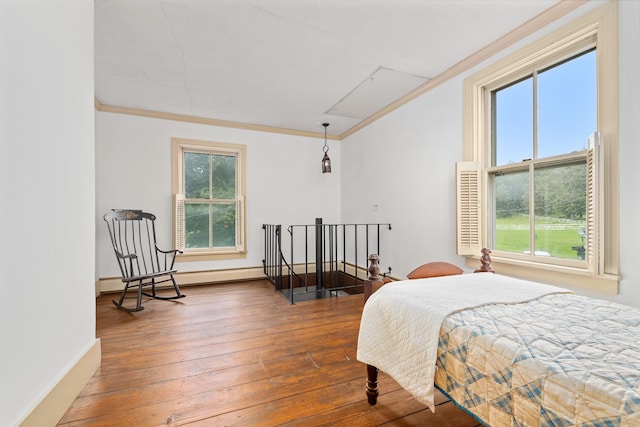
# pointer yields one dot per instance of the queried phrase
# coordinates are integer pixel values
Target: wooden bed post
(372, 280)
(372, 385)
(485, 260)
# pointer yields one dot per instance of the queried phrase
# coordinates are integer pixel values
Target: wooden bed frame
(375, 281)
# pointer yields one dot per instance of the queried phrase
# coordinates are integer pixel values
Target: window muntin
(209, 193)
(532, 122)
(560, 202)
(210, 200)
(512, 217)
(512, 126)
(196, 217)
(223, 220)
(567, 91)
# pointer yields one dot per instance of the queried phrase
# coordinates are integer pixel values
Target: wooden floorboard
(239, 354)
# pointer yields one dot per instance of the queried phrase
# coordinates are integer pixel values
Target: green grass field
(557, 237)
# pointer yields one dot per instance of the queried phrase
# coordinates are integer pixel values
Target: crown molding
(534, 24)
(206, 121)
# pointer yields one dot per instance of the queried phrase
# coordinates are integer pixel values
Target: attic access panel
(376, 92)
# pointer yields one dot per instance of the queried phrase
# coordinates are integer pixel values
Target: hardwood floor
(239, 354)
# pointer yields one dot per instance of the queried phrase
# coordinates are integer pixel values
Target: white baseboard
(56, 402)
(54, 405)
(185, 278)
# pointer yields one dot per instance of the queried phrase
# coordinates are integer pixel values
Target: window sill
(567, 277)
(209, 256)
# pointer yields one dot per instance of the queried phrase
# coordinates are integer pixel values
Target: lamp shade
(326, 161)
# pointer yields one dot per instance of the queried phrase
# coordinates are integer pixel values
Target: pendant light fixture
(326, 161)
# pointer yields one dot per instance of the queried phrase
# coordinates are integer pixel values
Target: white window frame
(596, 29)
(179, 147)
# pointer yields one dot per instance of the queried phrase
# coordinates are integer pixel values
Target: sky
(566, 112)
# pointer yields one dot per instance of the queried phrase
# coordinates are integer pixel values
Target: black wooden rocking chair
(141, 262)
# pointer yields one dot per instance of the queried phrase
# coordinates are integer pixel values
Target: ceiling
(287, 64)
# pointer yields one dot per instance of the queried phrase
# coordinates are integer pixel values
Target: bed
(509, 352)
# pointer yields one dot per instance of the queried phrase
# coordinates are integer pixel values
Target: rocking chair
(142, 264)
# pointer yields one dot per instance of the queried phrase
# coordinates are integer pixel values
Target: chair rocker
(142, 264)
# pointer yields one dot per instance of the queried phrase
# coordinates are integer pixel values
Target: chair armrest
(130, 256)
(169, 257)
(175, 251)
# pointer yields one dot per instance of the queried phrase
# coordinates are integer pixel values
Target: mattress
(559, 360)
(400, 322)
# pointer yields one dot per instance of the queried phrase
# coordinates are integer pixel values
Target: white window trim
(598, 27)
(178, 146)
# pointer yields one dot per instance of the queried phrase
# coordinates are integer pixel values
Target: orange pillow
(434, 269)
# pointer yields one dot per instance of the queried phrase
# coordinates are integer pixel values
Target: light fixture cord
(325, 147)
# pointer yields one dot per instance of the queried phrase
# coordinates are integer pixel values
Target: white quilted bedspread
(560, 360)
(401, 321)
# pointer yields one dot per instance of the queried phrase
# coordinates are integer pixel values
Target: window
(538, 177)
(209, 199)
(539, 181)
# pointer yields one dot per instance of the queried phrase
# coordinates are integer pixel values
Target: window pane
(224, 225)
(512, 212)
(561, 210)
(513, 123)
(196, 221)
(196, 176)
(224, 177)
(567, 106)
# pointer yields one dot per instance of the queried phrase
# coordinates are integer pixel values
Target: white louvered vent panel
(468, 208)
(179, 224)
(240, 245)
(594, 203)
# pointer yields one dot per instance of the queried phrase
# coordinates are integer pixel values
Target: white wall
(405, 161)
(285, 183)
(629, 70)
(47, 177)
